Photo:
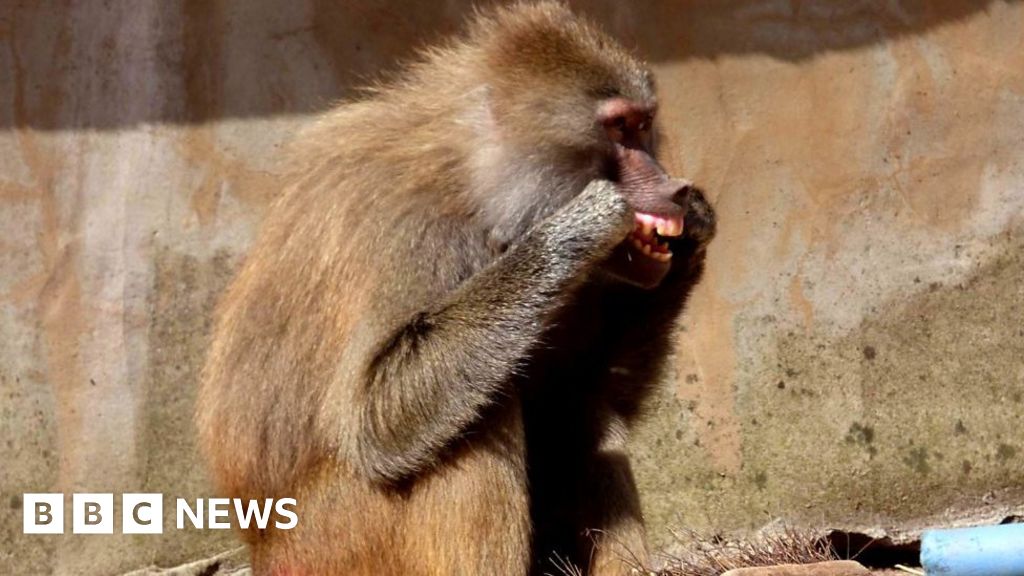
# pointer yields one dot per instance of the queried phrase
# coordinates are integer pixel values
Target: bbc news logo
(144, 513)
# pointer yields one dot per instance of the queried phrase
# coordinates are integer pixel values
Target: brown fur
(421, 346)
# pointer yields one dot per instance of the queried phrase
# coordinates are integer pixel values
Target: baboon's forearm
(433, 378)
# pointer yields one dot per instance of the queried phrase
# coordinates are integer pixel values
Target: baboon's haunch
(454, 311)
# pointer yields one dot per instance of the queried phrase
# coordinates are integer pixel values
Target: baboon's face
(660, 201)
(574, 99)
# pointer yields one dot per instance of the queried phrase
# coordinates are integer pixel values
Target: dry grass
(704, 555)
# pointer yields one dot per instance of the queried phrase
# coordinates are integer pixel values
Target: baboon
(454, 311)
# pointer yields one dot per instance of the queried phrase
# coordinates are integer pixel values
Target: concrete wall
(854, 357)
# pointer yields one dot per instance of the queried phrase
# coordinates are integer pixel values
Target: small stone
(837, 568)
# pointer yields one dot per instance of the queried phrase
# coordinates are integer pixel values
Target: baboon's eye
(605, 92)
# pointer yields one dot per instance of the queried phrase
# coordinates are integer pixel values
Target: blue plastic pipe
(982, 551)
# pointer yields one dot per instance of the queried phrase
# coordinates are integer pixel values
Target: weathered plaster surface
(853, 358)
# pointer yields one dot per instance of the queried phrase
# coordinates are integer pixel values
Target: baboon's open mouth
(644, 257)
(649, 233)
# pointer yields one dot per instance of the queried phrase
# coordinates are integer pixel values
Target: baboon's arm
(434, 376)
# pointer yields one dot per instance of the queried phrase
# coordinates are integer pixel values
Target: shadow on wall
(73, 65)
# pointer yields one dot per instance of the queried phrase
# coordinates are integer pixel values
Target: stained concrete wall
(854, 357)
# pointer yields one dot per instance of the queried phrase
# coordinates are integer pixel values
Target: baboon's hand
(594, 222)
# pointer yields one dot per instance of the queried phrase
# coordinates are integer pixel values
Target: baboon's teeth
(644, 239)
(669, 227)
